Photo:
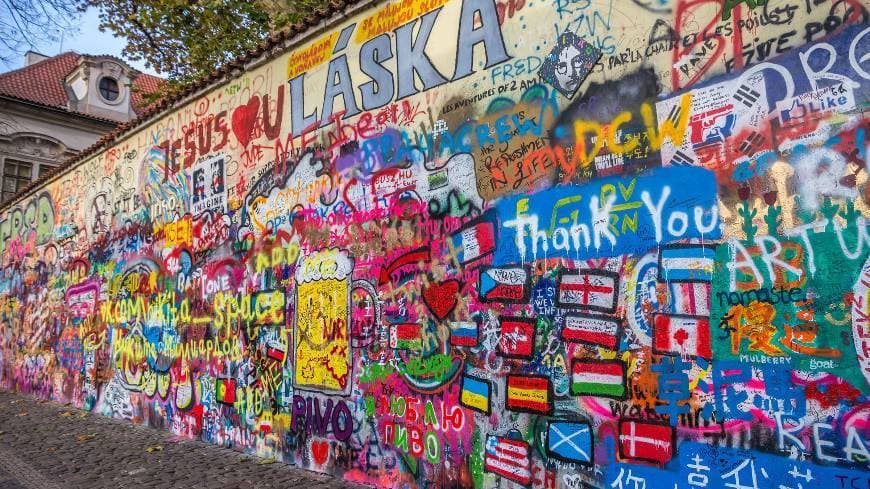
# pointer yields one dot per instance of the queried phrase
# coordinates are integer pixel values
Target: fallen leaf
(244, 459)
(83, 415)
(266, 461)
(51, 449)
(81, 438)
(155, 448)
(67, 414)
(21, 414)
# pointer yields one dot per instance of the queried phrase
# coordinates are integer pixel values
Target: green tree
(187, 39)
(27, 23)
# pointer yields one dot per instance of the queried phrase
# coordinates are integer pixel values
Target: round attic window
(109, 89)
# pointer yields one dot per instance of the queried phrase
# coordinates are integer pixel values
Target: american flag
(508, 458)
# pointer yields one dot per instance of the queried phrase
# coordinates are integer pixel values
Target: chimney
(32, 57)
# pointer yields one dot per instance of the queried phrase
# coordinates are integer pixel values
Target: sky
(88, 40)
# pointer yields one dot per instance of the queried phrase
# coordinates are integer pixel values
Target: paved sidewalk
(45, 445)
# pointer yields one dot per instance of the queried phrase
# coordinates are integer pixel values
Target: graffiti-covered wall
(469, 243)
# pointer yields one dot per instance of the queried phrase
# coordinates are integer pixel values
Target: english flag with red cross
(592, 290)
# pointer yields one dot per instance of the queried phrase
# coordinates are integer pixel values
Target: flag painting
(517, 338)
(646, 441)
(530, 394)
(475, 394)
(692, 298)
(276, 352)
(591, 329)
(508, 458)
(507, 285)
(225, 391)
(464, 333)
(682, 335)
(406, 336)
(605, 378)
(474, 241)
(593, 290)
(686, 263)
(570, 441)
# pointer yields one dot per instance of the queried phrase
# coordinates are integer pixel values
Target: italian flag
(598, 378)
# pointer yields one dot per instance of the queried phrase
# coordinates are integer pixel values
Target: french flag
(475, 241)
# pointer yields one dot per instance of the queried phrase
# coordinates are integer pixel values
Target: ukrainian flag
(475, 394)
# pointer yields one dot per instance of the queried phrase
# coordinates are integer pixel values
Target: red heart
(244, 118)
(442, 297)
(320, 451)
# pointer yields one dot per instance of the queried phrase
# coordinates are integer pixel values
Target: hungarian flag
(508, 458)
(464, 333)
(406, 336)
(591, 329)
(475, 241)
(682, 335)
(594, 290)
(598, 378)
(225, 391)
(646, 441)
(529, 394)
(686, 263)
(517, 338)
(508, 285)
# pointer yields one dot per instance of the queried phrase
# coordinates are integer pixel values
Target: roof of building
(43, 83)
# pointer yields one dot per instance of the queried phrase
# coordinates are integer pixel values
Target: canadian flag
(682, 335)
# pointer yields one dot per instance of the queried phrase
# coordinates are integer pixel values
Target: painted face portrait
(569, 63)
(569, 68)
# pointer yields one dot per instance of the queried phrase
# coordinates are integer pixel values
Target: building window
(16, 176)
(109, 88)
(43, 169)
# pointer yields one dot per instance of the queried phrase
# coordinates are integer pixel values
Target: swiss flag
(676, 334)
(517, 337)
(646, 441)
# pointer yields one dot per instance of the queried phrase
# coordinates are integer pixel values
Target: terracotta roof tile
(43, 83)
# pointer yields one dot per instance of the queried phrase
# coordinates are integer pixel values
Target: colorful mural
(468, 243)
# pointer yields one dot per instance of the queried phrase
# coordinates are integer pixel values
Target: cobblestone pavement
(45, 445)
